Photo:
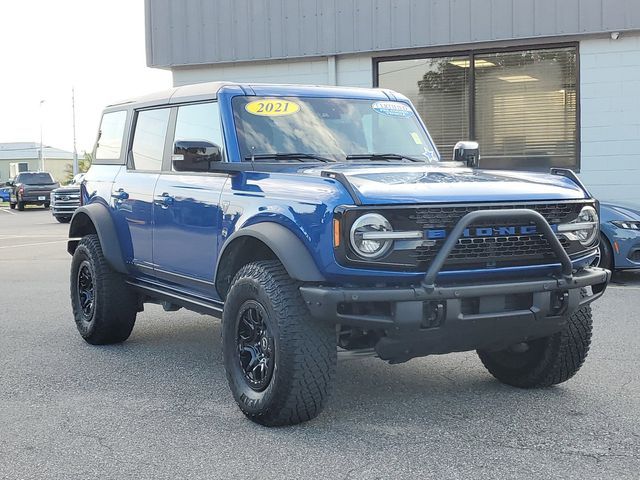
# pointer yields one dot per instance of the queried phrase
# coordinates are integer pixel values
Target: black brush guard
(432, 319)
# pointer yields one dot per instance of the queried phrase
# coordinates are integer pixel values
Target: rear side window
(148, 139)
(39, 178)
(110, 136)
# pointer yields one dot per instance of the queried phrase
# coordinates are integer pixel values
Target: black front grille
(516, 247)
(494, 251)
(448, 216)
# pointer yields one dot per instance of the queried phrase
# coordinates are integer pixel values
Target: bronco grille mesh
(497, 250)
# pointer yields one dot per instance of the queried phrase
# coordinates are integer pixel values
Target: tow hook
(559, 303)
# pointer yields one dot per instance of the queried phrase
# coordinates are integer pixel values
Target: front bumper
(428, 318)
(419, 321)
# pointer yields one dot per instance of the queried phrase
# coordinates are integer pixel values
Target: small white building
(539, 83)
(57, 162)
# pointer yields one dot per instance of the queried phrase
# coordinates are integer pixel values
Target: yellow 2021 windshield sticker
(272, 107)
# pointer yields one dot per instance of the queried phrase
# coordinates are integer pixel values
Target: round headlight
(587, 236)
(584, 228)
(364, 239)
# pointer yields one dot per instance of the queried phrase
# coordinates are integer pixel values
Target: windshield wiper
(383, 156)
(287, 156)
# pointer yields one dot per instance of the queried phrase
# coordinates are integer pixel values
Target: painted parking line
(32, 244)
(6, 237)
(623, 287)
(7, 211)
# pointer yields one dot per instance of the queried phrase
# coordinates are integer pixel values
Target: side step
(174, 297)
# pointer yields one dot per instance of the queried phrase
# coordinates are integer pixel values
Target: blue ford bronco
(312, 219)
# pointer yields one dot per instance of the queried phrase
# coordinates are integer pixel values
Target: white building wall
(610, 117)
(351, 70)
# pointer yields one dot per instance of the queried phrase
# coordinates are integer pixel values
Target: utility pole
(75, 151)
(41, 166)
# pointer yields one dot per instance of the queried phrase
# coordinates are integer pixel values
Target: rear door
(132, 194)
(187, 201)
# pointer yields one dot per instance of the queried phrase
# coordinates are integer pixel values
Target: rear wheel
(104, 306)
(546, 361)
(279, 361)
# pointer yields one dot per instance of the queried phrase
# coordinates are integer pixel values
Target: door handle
(165, 200)
(120, 194)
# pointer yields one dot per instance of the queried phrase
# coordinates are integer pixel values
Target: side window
(110, 135)
(148, 139)
(198, 142)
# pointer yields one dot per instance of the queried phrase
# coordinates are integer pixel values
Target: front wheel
(279, 361)
(104, 306)
(63, 219)
(546, 361)
(606, 254)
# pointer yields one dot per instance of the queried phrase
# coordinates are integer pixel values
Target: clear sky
(48, 46)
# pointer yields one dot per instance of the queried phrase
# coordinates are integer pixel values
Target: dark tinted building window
(521, 106)
(148, 139)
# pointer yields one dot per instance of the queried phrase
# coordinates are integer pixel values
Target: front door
(187, 203)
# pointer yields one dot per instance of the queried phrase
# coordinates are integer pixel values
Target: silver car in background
(65, 200)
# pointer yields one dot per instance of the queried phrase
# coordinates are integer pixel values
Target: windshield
(29, 178)
(333, 128)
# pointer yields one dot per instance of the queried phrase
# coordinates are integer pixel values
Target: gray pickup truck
(31, 188)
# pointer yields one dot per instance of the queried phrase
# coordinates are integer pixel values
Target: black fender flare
(287, 247)
(105, 228)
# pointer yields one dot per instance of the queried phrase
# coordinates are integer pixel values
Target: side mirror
(195, 155)
(467, 152)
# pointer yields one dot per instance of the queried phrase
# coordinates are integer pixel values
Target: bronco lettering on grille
(474, 232)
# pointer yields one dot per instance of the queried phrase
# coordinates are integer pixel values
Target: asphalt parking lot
(158, 405)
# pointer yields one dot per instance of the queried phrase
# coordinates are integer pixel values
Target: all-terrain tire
(304, 349)
(20, 206)
(105, 311)
(548, 361)
(63, 219)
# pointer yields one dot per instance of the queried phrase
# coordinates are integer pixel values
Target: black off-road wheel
(20, 206)
(104, 306)
(63, 219)
(546, 361)
(279, 361)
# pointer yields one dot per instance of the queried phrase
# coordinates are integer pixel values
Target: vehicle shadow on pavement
(177, 359)
(626, 277)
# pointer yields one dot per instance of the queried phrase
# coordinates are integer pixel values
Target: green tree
(83, 165)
